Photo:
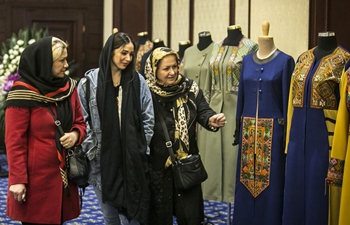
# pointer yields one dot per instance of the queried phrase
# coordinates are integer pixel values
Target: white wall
(289, 21)
(107, 19)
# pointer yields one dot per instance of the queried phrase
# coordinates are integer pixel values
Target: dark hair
(120, 40)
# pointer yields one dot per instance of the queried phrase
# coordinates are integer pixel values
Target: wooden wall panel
(79, 23)
(338, 19)
(133, 16)
(329, 15)
(2, 22)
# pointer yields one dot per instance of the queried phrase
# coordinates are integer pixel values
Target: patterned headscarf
(151, 68)
(176, 93)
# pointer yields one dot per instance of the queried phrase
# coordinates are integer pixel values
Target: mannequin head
(234, 35)
(204, 40)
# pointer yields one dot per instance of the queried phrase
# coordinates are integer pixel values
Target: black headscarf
(123, 146)
(37, 86)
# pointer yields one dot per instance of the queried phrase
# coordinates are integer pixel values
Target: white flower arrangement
(11, 54)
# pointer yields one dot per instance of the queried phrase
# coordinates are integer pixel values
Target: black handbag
(187, 172)
(77, 162)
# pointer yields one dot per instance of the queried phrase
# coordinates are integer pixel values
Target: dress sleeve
(340, 138)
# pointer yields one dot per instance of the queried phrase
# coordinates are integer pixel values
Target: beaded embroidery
(324, 81)
(255, 168)
(335, 172)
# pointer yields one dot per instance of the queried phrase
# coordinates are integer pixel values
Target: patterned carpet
(215, 212)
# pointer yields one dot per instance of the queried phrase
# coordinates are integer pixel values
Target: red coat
(32, 160)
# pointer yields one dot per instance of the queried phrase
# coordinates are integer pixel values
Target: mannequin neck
(142, 40)
(182, 49)
(233, 38)
(266, 47)
(204, 42)
(325, 46)
(158, 44)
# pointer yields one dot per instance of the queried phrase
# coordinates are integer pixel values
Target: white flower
(6, 56)
(1, 66)
(31, 41)
(21, 49)
(20, 42)
(2, 79)
(16, 47)
(15, 52)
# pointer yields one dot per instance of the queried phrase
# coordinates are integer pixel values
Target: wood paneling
(2, 22)
(133, 16)
(77, 22)
(327, 15)
(338, 19)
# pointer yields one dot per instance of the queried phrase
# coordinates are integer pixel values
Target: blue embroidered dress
(263, 97)
(313, 104)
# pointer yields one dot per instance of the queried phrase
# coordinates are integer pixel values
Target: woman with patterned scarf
(182, 105)
(39, 192)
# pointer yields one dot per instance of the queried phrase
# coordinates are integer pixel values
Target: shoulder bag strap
(57, 122)
(168, 142)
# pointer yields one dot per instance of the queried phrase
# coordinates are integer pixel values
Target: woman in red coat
(39, 192)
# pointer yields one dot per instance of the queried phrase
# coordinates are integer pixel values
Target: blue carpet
(215, 212)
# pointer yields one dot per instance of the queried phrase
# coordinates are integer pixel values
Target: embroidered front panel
(299, 75)
(256, 154)
(324, 81)
(335, 172)
(233, 67)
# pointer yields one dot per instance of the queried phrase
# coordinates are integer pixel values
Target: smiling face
(60, 65)
(123, 56)
(168, 70)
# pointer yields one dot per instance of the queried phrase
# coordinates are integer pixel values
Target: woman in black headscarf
(39, 192)
(120, 119)
(182, 105)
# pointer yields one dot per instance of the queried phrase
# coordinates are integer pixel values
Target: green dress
(218, 154)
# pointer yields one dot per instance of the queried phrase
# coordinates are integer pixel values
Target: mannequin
(225, 65)
(312, 109)
(327, 42)
(183, 45)
(195, 63)
(204, 40)
(234, 35)
(260, 125)
(265, 42)
(158, 42)
(142, 38)
(143, 45)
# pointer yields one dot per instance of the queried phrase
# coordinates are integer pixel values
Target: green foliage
(25, 34)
